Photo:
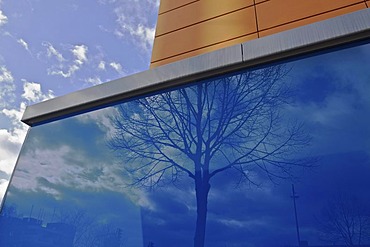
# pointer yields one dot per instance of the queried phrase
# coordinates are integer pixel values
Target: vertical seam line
(255, 14)
(241, 46)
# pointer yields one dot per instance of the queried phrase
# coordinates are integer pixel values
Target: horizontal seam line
(178, 7)
(182, 53)
(194, 24)
(304, 18)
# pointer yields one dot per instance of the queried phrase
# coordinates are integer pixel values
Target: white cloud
(101, 65)
(7, 87)
(117, 67)
(80, 51)
(71, 70)
(12, 138)
(137, 20)
(23, 43)
(67, 68)
(3, 18)
(143, 33)
(51, 51)
(5, 75)
(33, 93)
(94, 80)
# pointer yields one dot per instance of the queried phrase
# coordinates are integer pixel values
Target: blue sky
(51, 48)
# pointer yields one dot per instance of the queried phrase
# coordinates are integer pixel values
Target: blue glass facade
(209, 164)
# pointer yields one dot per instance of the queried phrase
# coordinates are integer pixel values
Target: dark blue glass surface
(277, 156)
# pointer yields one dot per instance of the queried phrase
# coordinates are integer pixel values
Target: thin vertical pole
(29, 219)
(294, 196)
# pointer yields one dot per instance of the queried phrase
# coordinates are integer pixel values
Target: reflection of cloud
(234, 223)
(102, 119)
(333, 100)
(64, 166)
(45, 163)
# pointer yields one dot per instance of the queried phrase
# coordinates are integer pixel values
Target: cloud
(144, 34)
(136, 20)
(18, 131)
(3, 18)
(5, 75)
(67, 68)
(23, 43)
(7, 86)
(12, 138)
(33, 93)
(51, 51)
(94, 80)
(70, 71)
(117, 67)
(80, 51)
(101, 65)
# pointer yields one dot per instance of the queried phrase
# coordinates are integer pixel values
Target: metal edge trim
(313, 37)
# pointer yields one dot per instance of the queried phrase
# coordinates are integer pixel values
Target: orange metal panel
(204, 50)
(277, 12)
(221, 29)
(167, 5)
(313, 19)
(261, 1)
(197, 12)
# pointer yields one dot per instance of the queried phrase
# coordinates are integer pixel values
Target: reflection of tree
(89, 232)
(83, 223)
(345, 220)
(9, 211)
(230, 123)
(107, 236)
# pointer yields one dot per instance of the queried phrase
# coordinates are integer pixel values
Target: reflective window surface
(277, 156)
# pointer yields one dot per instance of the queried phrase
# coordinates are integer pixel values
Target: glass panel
(277, 156)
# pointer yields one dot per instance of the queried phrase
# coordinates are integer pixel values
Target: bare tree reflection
(89, 232)
(83, 223)
(230, 123)
(345, 219)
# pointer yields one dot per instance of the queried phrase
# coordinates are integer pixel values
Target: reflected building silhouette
(33, 233)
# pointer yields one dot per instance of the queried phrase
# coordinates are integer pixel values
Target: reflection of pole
(31, 213)
(294, 196)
